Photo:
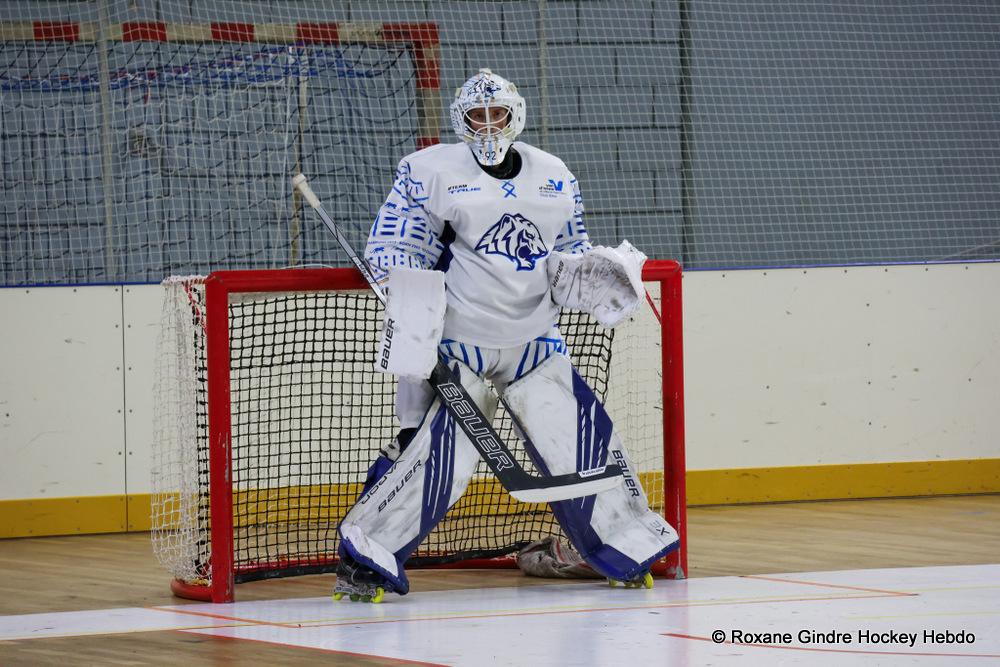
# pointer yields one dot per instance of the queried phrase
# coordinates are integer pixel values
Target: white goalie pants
(567, 430)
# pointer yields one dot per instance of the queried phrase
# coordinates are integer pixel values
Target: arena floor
(913, 616)
(907, 582)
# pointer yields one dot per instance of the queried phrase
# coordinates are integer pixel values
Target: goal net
(269, 413)
(136, 149)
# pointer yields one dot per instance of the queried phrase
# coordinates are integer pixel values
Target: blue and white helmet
(487, 90)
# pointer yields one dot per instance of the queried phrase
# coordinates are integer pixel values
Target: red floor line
(467, 617)
(234, 619)
(831, 650)
(813, 583)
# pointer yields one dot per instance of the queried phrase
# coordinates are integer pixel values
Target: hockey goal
(269, 413)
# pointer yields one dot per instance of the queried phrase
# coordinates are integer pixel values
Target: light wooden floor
(107, 571)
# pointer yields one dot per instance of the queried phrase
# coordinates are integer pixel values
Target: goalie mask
(488, 114)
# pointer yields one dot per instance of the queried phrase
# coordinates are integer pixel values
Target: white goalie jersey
(444, 207)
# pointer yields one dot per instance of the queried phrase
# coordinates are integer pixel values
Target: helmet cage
(486, 90)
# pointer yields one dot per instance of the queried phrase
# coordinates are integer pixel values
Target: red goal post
(291, 414)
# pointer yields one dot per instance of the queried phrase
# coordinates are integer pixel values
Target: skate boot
(644, 580)
(359, 583)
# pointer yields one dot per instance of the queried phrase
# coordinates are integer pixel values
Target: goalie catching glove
(413, 324)
(605, 282)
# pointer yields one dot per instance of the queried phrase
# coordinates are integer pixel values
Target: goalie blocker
(413, 322)
(567, 431)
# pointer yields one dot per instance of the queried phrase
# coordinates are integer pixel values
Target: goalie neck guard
(489, 141)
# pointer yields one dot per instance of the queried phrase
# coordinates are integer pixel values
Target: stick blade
(550, 494)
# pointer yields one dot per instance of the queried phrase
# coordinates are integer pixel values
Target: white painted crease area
(592, 624)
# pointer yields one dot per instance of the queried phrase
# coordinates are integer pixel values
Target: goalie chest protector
(497, 234)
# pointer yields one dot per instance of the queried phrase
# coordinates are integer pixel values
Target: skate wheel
(355, 597)
(612, 583)
(647, 580)
(379, 594)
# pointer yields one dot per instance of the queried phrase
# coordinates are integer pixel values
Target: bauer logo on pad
(516, 238)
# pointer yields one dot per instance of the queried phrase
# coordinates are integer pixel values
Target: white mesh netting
(143, 139)
(309, 414)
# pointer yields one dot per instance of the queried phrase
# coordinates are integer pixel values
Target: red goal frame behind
(221, 284)
(422, 39)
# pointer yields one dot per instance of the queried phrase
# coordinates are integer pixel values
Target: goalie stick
(519, 483)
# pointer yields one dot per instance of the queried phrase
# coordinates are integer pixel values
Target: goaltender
(479, 245)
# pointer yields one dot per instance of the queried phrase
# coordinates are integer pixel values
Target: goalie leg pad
(568, 430)
(397, 512)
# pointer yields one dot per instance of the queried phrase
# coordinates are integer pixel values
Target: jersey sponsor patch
(464, 187)
(516, 238)
(553, 189)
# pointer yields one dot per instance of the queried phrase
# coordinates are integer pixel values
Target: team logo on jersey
(516, 238)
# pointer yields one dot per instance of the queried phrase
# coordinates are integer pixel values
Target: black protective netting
(309, 415)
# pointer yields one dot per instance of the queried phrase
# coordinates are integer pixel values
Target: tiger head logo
(516, 238)
(484, 86)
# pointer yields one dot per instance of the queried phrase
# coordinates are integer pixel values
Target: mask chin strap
(509, 168)
(492, 151)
